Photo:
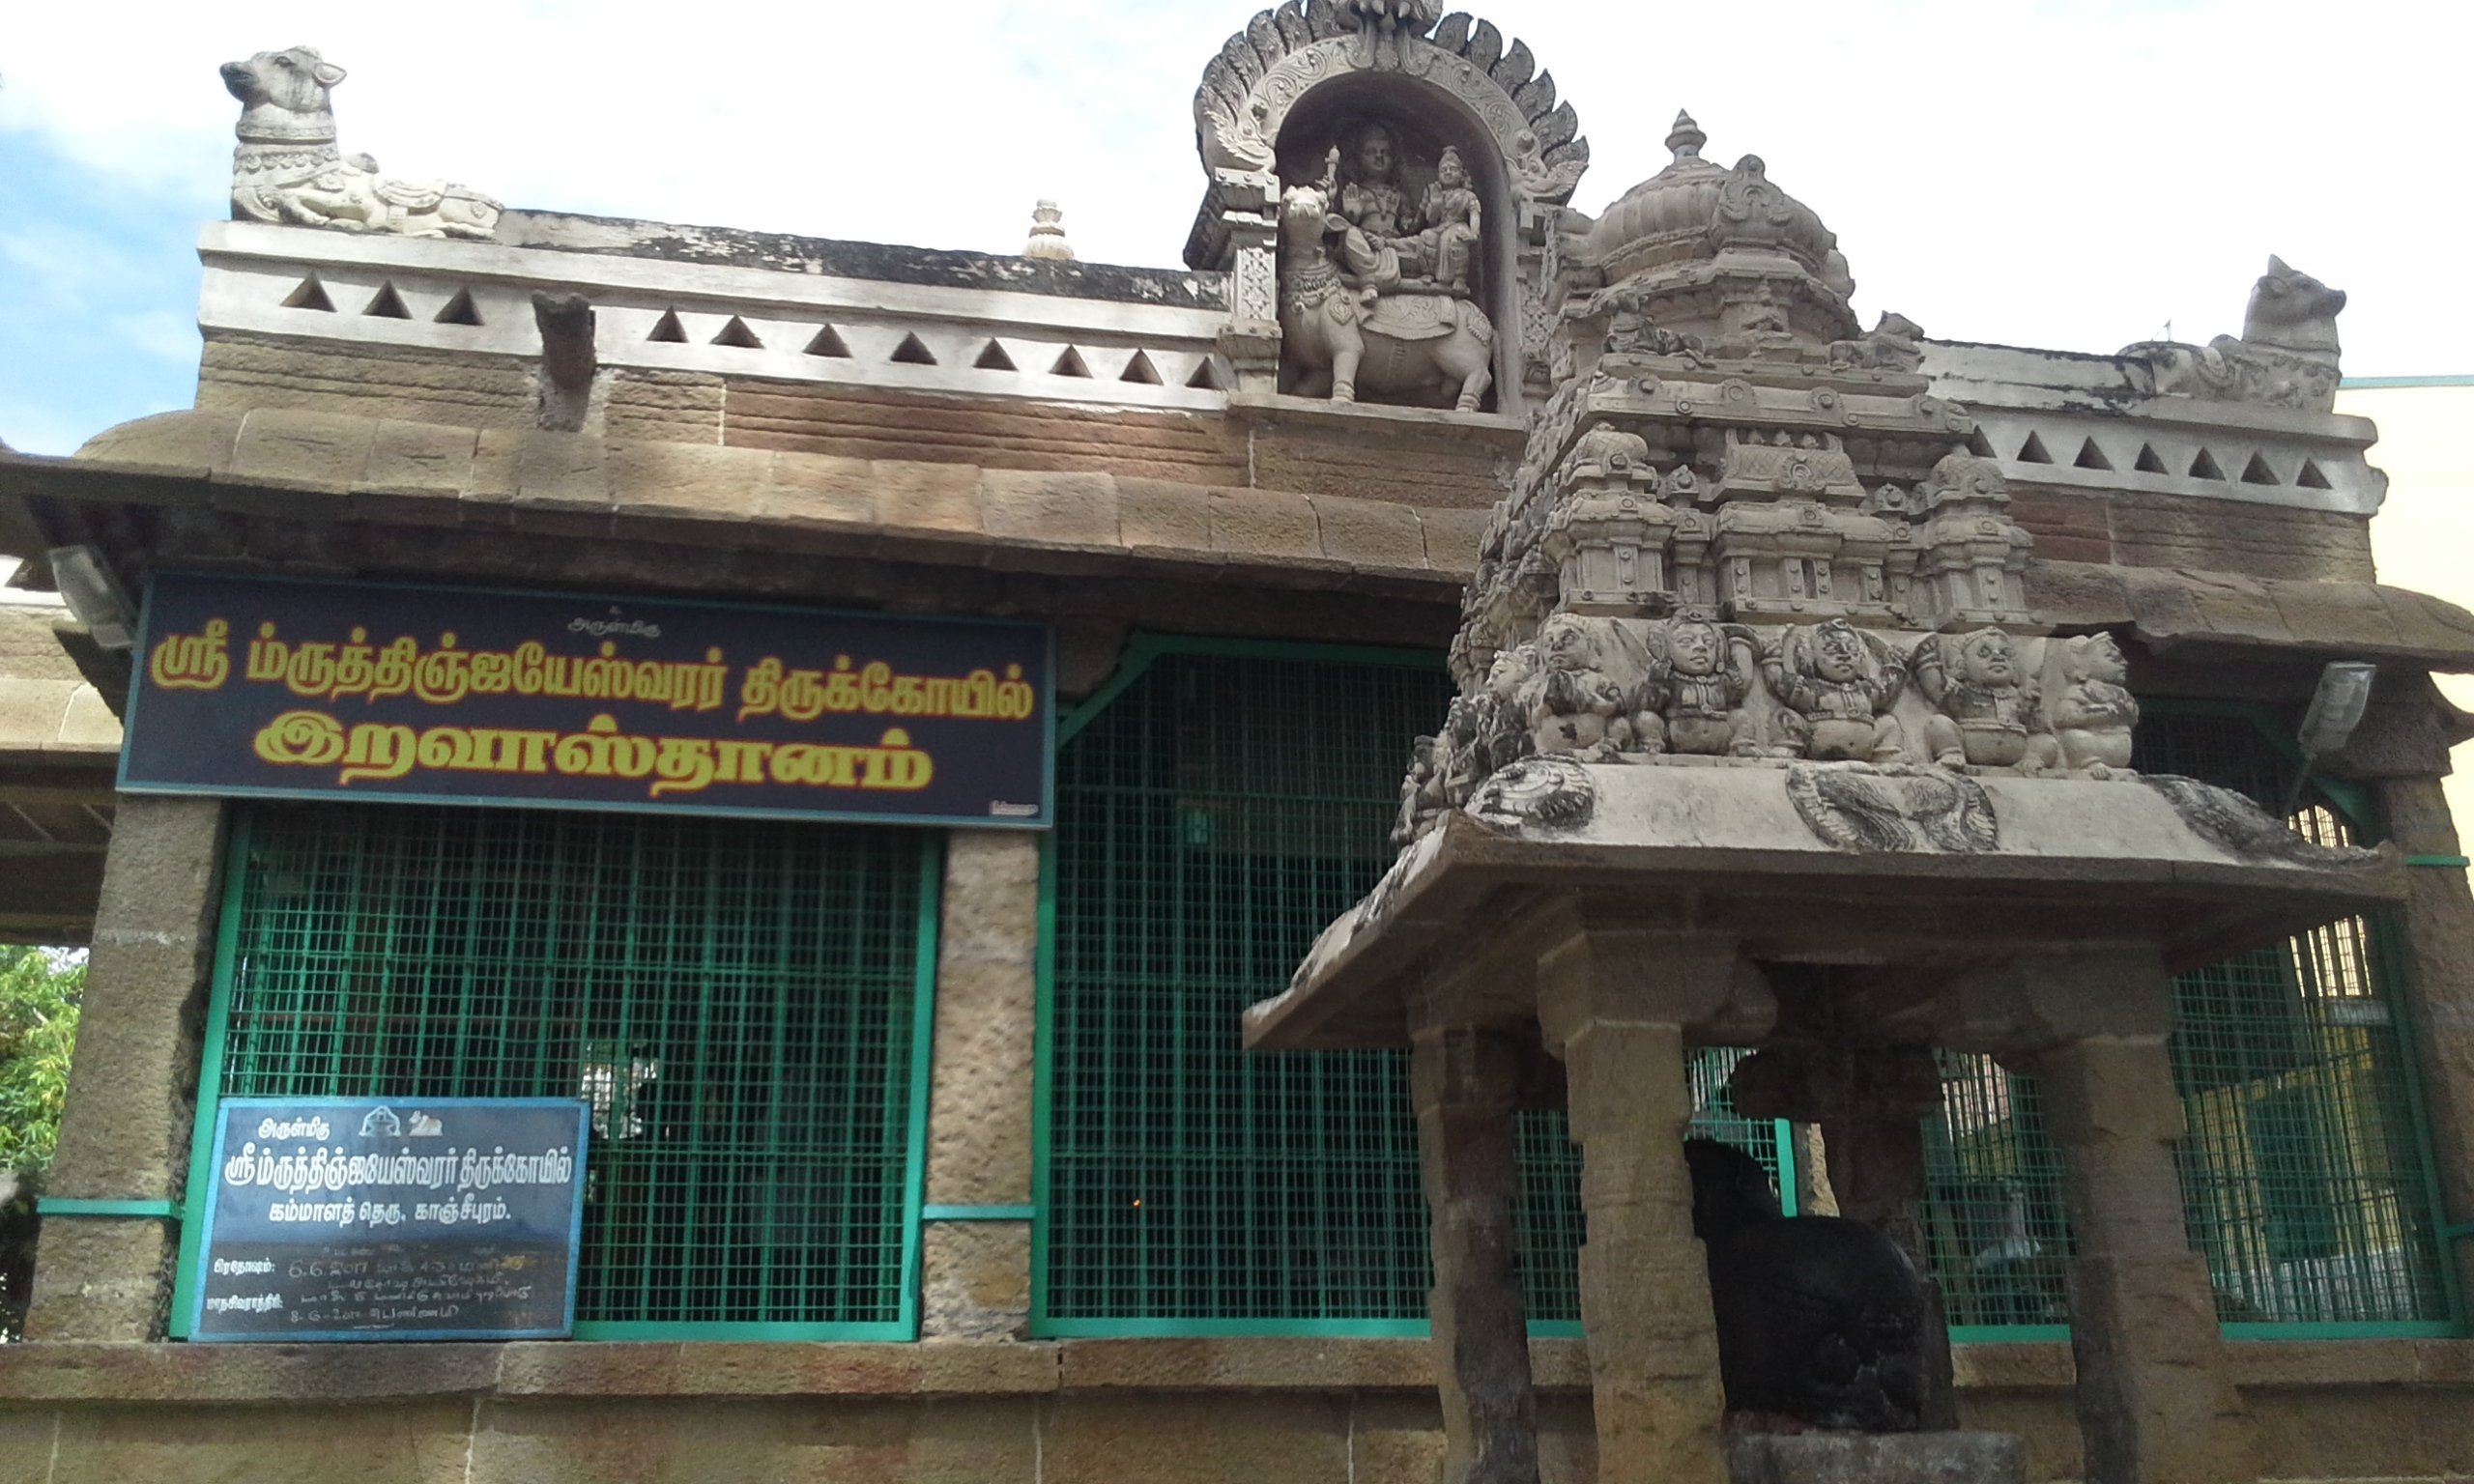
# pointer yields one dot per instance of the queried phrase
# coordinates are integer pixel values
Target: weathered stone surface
(1372, 534)
(976, 1280)
(1165, 514)
(1007, 434)
(301, 450)
(427, 462)
(31, 711)
(102, 1279)
(703, 484)
(2439, 939)
(1465, 1084)
(561, 484)
(678, 406)
(1049, 508)
(239, 373)
(1894, 1458)
(400, 1445)
(124, 1134)
(1264, 524)
(1364, 464)
(201, 440)
(979, 1110)
(706, 1442)
(1186, 1440)
(814, 492)
(932, 497)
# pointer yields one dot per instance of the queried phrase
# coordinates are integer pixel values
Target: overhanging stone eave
(1922, 911)
(658, 496)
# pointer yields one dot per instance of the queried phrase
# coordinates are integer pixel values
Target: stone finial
(1048, 235)
(1686, 138)
(286, 168)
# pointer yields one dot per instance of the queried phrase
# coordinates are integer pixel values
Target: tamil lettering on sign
(368, 1219)
(340, 690)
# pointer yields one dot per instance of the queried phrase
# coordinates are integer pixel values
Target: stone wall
(2216, 535)
(1163, 1412)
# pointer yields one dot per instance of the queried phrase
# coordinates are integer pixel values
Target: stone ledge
(322, 469)
(73, 1372)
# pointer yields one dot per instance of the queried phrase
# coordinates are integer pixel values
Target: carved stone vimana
(1757, 743)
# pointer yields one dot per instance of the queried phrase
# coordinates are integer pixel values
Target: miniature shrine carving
(286, 168)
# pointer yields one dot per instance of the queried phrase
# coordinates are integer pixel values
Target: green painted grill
(737, 1001)
(2305, 1175)
(1213, 816)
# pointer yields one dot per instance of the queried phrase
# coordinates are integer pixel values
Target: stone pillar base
(1889, 1457)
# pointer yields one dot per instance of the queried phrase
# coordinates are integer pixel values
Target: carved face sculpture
(1567, 645)
(1450, 172)
(2097, 657)
(1838, 653)
(1986, 659)
(1511, 667)
(1693, 649)
(1377, 155)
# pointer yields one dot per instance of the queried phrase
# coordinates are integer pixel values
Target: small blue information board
(439, 1219)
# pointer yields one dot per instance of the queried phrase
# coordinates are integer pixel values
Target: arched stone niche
(1309, 75)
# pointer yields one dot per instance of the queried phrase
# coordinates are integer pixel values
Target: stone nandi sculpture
(1429, 345)
(286, 168)
(2286, 356)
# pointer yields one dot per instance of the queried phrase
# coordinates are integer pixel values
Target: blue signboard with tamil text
(269, 688)
(442, 1218)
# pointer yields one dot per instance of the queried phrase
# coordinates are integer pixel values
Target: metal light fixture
(2337, 706)
(91, 591)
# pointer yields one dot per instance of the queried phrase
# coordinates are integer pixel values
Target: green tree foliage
(38, 1026)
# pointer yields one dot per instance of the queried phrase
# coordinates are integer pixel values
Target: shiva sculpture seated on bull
(1375, 287)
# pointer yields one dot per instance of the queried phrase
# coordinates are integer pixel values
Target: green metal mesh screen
(734, 998)
(1212, 820)
(2304, 1179)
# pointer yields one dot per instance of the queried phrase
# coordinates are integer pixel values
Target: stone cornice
(328, 469)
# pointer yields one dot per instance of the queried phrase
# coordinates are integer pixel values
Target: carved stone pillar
(2156, 1404)
(1464, 1083)
(2438, 927)
(1615, 1005)
(1251, 339)
(133, 1088)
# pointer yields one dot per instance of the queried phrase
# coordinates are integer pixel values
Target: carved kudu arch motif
(1491, 95)
(1283, 54)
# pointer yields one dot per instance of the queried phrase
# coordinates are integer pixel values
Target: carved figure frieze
(1692, 700)
(2092, 711)
(287, 170)
(1860, 807)
(1837, 683)
(1986, 705)
(2286, 355)
(1573, 705)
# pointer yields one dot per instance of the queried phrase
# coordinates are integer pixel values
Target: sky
(2078, 175)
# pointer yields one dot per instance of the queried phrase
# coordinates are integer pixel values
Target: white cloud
(2071, 173)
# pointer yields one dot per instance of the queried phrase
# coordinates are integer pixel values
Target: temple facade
(855, 727)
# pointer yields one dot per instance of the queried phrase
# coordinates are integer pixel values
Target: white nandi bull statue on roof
(286, 168)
